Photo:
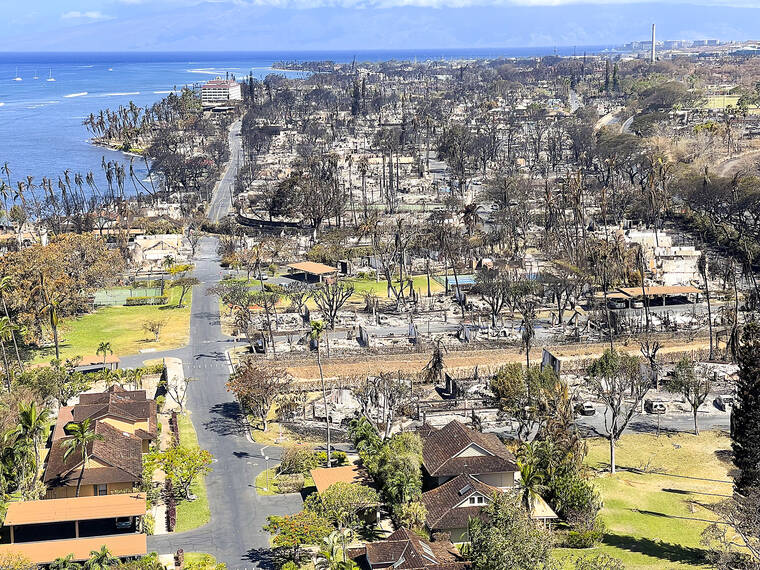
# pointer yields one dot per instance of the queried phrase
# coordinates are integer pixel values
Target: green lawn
(380, 289)
(122, 327)
(192, 514)
(655, 507)
(201, 559)
(261, 483)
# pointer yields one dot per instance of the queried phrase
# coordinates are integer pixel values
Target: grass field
(122, 327)
(192, 514)
(380, 289)
(655, 507)
(723, 101)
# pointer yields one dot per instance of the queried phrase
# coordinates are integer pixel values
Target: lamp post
(266, 458)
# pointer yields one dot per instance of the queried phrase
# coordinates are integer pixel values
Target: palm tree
(702, 267)
(32, 423)
(101, 559)
(65, 563)
(6, 332)
(530, 485)
(403, 486)
(330, 558)
(104, 348)
(51, 305)
(19, 454)
(82, 436)
(315, 334)
(6, 285)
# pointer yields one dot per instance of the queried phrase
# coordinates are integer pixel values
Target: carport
(311, 272)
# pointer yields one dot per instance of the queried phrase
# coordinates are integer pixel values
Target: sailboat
(18, 77)
(35, 75)
(51, 75)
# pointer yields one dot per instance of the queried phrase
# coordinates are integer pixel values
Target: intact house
(43, 531)
(453, 504)
(126, 423)
(455, 450)
(450, 506)
(404, 550)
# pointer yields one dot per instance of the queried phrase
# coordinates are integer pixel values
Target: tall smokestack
(653, 48)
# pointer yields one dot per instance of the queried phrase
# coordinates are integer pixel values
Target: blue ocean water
(41, 131)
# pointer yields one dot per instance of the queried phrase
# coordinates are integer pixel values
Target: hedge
(137, 301)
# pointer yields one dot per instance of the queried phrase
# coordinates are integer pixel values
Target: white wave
(2, 104)
(162, 92)
(70, 95)
(204, 71)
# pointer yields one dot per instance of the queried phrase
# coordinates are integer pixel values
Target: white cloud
(92, 15)
(450, 3)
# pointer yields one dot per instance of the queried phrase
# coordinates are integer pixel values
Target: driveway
(234, 535)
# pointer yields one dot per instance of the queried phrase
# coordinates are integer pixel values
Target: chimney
(653, 48)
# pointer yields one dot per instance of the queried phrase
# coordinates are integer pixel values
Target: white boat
(35, 74)
(18, 77)
(51, 76)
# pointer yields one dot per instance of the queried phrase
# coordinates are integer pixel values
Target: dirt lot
(574, 357)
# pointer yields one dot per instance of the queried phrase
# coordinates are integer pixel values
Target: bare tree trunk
(612, 455)
(324, 399)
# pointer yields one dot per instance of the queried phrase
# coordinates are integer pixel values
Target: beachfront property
(219, 90)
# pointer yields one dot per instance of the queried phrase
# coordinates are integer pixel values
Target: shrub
(410, 515)
(274, 288)
(140, 301)
(338, 458)
(157, 368)
(575, 499)
(289, 565)
(148, 524)
(599, 562)
(585, 537)
(296, 459)
(290, 483)
(160, 403)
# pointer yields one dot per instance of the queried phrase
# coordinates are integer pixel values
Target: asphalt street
(234, 535)
(221, 201)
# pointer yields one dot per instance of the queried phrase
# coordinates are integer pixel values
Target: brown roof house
(126, 422)
(450, 506)
(456, 449)
(404, 550)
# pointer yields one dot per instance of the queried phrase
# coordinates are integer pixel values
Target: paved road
(669, 422)
(234, 535)
(221, 201)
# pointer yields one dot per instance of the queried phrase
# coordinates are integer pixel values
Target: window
(481, 500)
(472, 500)
(101, 490)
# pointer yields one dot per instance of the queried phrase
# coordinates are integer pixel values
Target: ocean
(41, 131)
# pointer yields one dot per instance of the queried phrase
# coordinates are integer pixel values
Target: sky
(276, 25)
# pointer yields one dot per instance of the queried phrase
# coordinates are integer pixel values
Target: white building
(220, 90)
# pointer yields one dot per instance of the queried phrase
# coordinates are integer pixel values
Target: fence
(118, 296)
